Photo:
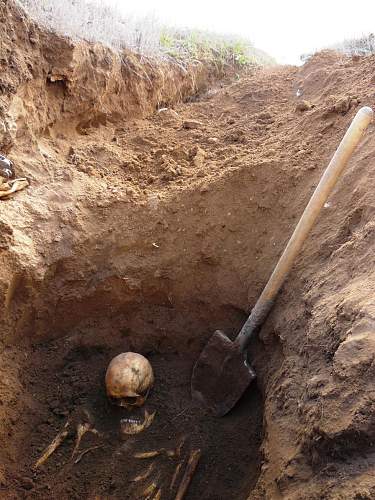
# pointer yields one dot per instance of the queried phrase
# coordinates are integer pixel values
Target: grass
(361, 46)
(190, 45)
(80, 19)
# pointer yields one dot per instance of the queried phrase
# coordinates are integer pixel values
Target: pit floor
(67, 383)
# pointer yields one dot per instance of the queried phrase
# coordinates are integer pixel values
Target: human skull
(128, 379)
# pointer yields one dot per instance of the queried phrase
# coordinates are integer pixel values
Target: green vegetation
(192, 45)
(80, 19)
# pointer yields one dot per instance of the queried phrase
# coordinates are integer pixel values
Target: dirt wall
(152, 232)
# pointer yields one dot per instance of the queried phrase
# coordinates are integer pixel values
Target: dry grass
(362, 46)
(79, 19)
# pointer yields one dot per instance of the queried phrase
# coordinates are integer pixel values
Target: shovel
(222, 373)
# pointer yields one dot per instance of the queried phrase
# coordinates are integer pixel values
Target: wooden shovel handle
(328, 181)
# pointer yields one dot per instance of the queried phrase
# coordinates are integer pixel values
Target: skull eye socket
(130, 400)
(127, 401)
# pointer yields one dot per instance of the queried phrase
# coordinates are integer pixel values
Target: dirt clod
(191, 124)
(303, 106)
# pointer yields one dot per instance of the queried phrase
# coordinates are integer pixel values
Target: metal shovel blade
(221, 375)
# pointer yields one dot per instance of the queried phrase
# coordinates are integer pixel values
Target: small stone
(198, 155)
(212, 140)
(27, 483)
(342, 105)
(303, 106)
(355, 355)
(191, 124)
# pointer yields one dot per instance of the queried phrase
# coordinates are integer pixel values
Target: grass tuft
(82, 20)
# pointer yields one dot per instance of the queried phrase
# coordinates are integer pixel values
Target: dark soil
(67, 382)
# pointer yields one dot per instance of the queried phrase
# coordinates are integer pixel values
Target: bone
(12, 187)
(177, 451)
(188, 474)
(157, 495)
(131, 426)
(82, 429)
(58, 440)
(149, 454)
(144, 475)
(149, 491)
(174, 453)
(175, 476)
(84, 452)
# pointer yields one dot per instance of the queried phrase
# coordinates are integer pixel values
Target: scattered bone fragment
(148, 493)
(171, 453)
(12, 187)
(82, 429)
(149, 454)
(131, 426)
(178, 449)
(58, 440)
(188, 474)
(175, 476)
(303, 106)
(157, 495)
(145, 474)
(191, 124)
(154, 453)
(84, 452)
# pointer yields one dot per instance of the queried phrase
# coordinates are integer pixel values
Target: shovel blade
(221, 375)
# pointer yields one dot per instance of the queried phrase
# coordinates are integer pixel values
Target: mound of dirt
(149, 223)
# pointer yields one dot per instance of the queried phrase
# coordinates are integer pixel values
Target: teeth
(134, 426)
(130, 421)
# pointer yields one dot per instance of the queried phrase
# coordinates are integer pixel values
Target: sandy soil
(147, 230)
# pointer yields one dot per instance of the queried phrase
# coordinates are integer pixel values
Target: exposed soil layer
(146, 229)
(67, 385)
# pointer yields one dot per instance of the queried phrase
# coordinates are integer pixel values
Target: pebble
(191, 124)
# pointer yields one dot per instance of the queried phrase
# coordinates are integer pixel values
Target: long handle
(335, 168)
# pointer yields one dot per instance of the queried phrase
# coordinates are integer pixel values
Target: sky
(285, 29)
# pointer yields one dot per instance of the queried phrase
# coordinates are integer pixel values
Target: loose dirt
(154, 218)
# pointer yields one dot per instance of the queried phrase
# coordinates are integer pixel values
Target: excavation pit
(137, 233)
(62, 381)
